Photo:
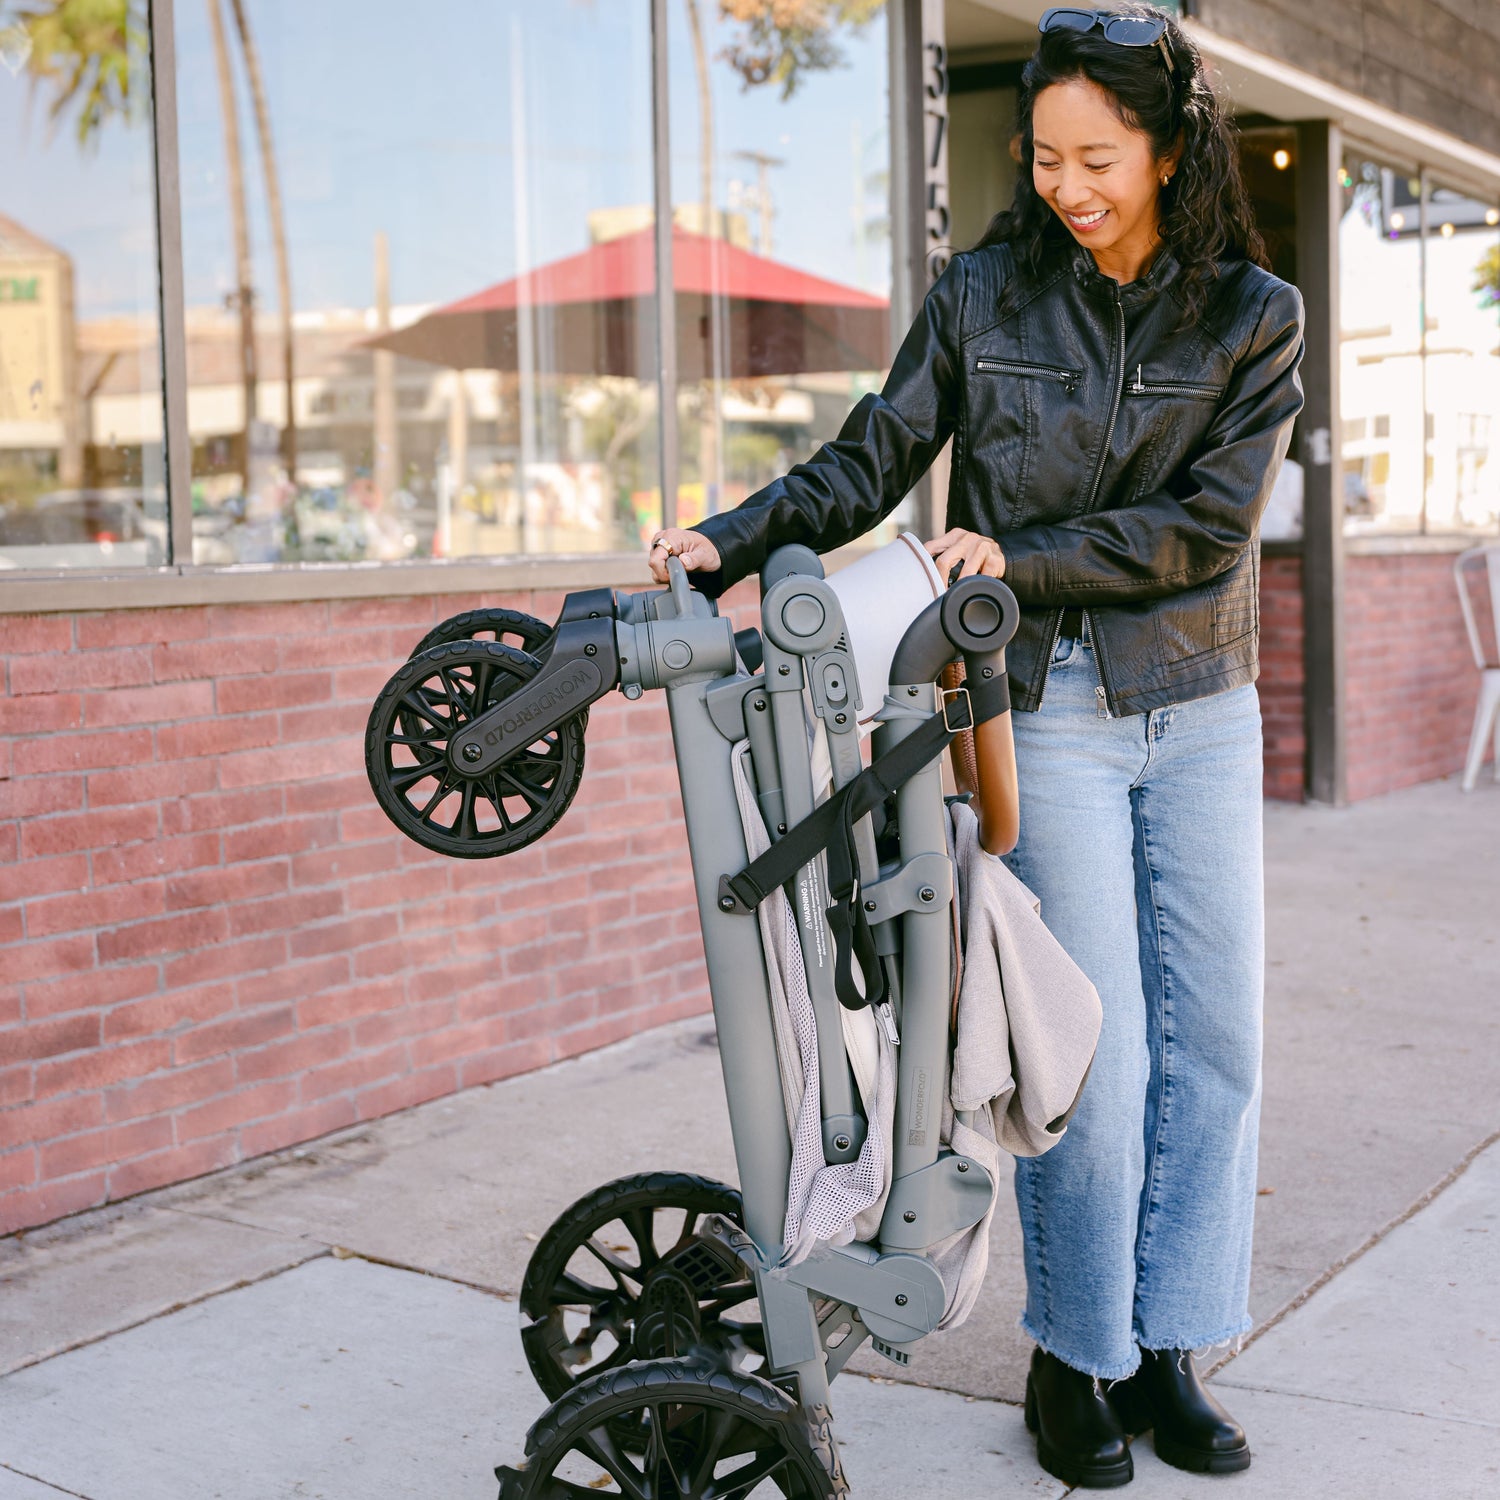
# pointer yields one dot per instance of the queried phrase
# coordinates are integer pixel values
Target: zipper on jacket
(1109, 431)
(1068, 379)
(1140, 387)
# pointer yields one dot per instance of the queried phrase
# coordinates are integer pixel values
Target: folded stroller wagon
(686, 1331)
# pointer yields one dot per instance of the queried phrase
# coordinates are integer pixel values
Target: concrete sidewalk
(339, 1320)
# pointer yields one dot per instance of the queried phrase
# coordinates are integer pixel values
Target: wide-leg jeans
(1142, 837)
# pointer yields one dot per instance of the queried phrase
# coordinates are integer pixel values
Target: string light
(1398, 221)
(1281, 159)
(1447, 231)
(1492, 216)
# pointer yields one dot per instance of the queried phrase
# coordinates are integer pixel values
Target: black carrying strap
(831, 827)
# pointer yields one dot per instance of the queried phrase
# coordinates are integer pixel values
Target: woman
(1118, 372)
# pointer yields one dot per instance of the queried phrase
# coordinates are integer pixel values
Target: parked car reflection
(321, 523)
(85, 528)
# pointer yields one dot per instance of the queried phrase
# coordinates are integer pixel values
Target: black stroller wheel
(507, 627)
(705, 1434)
(406, 755)
(625, 1275)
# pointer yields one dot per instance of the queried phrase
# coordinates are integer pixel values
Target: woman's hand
(978, 554)
(698, 554)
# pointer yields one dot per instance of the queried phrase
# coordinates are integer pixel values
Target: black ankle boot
(1078, 1437)
(1191, 1429)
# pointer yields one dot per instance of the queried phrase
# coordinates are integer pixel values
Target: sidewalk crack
(37, 1479)
(341, 1252)
(1344, 1262)
(176, 1307)
(345, 1252)
(1404, 1411)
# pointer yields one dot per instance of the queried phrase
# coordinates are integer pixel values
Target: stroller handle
(677, 582)
(974, 620)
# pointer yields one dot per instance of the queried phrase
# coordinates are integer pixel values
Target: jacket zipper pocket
(1191, 388)
(1066, 378)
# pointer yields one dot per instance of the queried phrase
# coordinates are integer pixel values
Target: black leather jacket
(1120, 455)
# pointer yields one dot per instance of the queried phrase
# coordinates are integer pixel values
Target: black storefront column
(1319, 156)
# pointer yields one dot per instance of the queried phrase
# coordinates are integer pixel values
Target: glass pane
(81, 460)
(981, 169)
(463, 251)
(1463, 361)
(781, 233)
(1380, 307)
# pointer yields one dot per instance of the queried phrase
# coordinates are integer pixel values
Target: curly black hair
(1205, 211)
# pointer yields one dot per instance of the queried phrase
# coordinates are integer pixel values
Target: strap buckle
(946, 698)
(731, 901)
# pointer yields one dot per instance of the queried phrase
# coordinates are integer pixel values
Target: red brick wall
(212, 942)
(1411, 685)
(1281, 677)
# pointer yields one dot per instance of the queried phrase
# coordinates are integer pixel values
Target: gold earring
(1166, 179)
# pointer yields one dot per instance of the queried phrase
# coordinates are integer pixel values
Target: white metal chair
(1486, 657)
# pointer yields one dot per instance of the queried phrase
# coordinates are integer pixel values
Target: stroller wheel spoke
(600, 1447)
(456, 702)
(493, 797)
(484, 674)
(404, 777)
(621, 1270)
(659, 1468)
(570, 1290)
(411, 704)
(545, 764)
(467, 826)
(444, 786)
(721, 1424)
(743, 1481)
(536, 796)
(721, 1301)
(641, 1223)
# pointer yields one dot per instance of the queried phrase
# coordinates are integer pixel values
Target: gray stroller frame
(672, 1411)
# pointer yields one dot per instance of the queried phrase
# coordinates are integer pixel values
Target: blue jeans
(1141, 836)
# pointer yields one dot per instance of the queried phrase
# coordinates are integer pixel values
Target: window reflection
(1421, 353)
(1463, 361)
(1380, 306)
(419, 281)
(780, 180)
(81, 467)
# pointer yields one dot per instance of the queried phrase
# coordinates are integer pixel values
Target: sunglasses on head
(1123, 31)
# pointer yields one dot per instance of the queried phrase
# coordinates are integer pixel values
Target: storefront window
(1421, 353)
(419, 277)
(81, 467)
(1462, 385)
(780, 180)
(1380, 306)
